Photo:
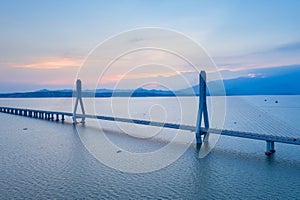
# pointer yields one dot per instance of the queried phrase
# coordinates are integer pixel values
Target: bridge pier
(270, 148)
(57, 117)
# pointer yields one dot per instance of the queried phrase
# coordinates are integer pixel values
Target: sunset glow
(46, 48)
(49, 63)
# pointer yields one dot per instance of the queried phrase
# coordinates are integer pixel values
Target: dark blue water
(42, 159)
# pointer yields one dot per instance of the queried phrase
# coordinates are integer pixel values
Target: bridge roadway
(55, 115)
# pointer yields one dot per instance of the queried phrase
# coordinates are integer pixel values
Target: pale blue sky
(239, 35)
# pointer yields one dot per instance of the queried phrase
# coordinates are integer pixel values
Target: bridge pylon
(202, 110)
(78, 99)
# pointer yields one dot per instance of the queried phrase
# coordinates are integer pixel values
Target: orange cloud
(118, 77)
(49, 63)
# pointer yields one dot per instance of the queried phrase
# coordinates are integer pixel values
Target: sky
(43, 44)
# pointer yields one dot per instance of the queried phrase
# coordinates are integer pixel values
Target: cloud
(280, 55)
(251, 75)
(136, 40)
(48, 63)
(288, 47)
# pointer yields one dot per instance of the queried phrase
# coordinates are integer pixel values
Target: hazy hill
(270, 81)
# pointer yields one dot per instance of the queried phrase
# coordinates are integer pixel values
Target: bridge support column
(273, 147)
(270, 148)
(202, 110)
(78, 99)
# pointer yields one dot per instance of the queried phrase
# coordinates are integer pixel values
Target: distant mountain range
(268, 81)
(140, 92)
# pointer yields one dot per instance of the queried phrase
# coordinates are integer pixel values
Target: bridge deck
(271, 138)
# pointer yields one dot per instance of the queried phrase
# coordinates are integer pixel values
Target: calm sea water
(43, 159)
